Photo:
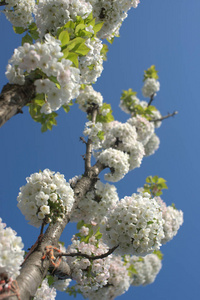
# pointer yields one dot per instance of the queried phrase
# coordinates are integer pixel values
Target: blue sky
(164, 33)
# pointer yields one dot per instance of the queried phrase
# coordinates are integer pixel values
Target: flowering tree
(118, 241)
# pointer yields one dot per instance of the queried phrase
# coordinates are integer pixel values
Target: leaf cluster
(47, 121)
(107, 118)
(151, 73)
(129, 101)
(154, 185)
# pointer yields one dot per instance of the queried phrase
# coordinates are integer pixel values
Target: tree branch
(110, 251)
(34, 269)
(165, 117)
(89, 142)
(13, 97)
(151, 100)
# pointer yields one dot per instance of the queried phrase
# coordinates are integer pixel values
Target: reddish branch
(13, 98)
(110, 251)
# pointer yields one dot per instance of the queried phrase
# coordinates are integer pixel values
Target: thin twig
(110, 251)
(151, 100)
(165, 117)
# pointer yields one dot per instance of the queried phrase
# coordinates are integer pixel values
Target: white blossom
(144, 128)
(19, 12)
(145, 269)
(173, 219)
(150, 87)
(96, 204)
(88, 98)
(46, 56)
(112, 13)
(91, 65)
(11, 253)
(90, 275)
(152, 145)
(117, 161)
(136, 225)
(45, 292)
(50, 14)
(118, 281)
(46, 195)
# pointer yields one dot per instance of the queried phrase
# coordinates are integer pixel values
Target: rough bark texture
(34, 268)
(13, 97)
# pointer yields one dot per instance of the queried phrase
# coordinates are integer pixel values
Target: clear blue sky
(164, 33)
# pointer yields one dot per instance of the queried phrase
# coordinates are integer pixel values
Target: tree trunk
(13, 97)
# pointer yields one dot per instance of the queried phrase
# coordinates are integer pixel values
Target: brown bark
(13, 98)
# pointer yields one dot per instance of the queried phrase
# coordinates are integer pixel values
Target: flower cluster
(11, 253)
(61, 284)
(143, 270)
(45, 292)
(90, 275)
(152, 145)
(112, 13)
(118, 281)
(135, 225)
(19, 12)
(124, 137)
(122, 151)
(173, 219)
(50, 14)
(92, 130)
(150, 87)
(88, 98)
(144, 128)
(45, 197)
(130, 107)
(117, 161)
(46, 58)
(96, 204)
(91, 65)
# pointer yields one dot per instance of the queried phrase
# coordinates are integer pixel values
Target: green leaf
(34, 34)
(64, 37)
(97, 27)
(155, 179)
(74, 58)
(65, 53)
(100, 135)
(66, 107)
(82, 49)
(18, 30)
(149, 179)
(89, 19)
(44, 127)
(104, 119)
(104, 51)
(159, 254)
(80, 224)
(50, 279)
(27, 39)
(79, 27)
(110, 40)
